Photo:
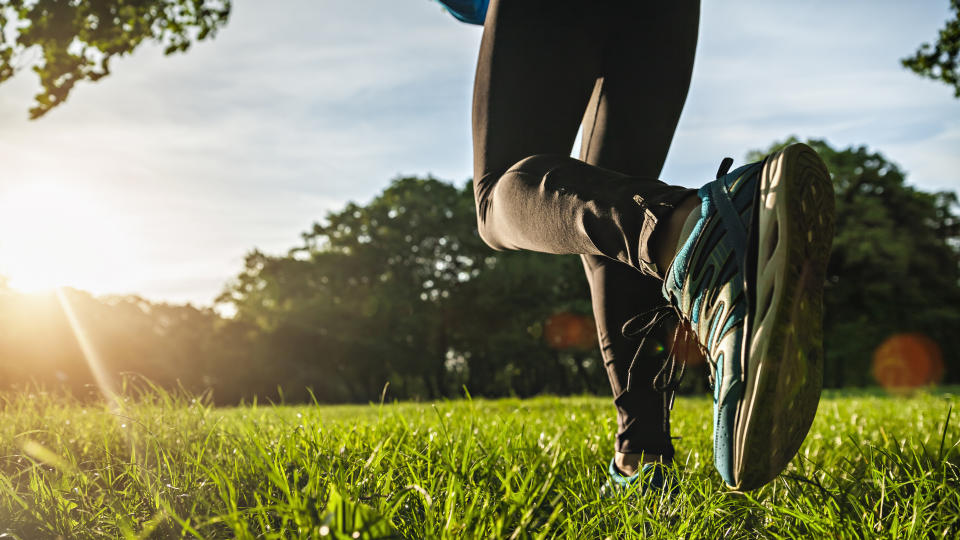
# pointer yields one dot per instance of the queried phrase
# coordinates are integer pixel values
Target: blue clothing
(468, 11)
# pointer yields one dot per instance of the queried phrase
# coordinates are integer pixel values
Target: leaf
(76, 40)
(940, 62)
(348, 520)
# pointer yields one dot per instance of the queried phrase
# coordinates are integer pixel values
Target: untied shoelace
(670, 375)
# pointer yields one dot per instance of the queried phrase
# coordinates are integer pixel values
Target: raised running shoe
(749, 281)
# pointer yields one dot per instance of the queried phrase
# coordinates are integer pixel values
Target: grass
(163, 466)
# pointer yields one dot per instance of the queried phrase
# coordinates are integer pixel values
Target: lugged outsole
(783, 368)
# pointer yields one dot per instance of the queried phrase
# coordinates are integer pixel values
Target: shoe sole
(791, 235)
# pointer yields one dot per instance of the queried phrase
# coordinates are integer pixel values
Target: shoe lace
(682, 343)
(671, 372)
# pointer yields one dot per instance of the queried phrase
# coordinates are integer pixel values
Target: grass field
(160, 467)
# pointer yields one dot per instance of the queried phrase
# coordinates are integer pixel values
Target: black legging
(622, 68)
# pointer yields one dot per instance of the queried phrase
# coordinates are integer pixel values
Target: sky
(159, 178)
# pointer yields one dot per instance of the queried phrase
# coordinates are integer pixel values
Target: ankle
(665, 247)
(629, 464)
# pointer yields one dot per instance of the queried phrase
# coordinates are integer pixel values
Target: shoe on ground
(749, 281)
(651, 476)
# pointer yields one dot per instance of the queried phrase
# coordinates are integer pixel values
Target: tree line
(399, 298)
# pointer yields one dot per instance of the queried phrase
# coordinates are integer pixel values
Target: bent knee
(488, 233)
(483, 191)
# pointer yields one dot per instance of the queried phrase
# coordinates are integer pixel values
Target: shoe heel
(784, 371)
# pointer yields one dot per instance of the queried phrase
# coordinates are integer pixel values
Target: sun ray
(89, 352)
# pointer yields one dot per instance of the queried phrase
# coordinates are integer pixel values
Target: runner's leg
(535, 74)
(628, 128)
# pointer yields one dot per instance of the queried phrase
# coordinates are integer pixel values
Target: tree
(373, 283)
(940, 61)
(403, 289)
(77, 40)
(171, 345)
(895, 265)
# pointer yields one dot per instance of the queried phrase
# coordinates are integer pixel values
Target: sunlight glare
(89, 352)
(54, 234)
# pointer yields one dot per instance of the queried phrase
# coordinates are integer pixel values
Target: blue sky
(178, 166)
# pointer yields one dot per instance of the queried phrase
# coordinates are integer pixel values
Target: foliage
(168, 466)
(400, 296)
(940, 61)
(173, 345)
(402, 290)
(895, 265)
(68, 41)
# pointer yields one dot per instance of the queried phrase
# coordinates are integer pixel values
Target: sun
(53, 234)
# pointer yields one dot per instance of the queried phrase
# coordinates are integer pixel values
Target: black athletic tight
(622, 69)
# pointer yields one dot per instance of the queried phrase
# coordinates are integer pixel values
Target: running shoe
(651, 476)
(749, 282)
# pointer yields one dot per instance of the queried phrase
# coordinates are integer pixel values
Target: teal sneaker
(655, 476)
(749, 282)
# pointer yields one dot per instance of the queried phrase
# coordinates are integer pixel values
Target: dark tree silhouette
(403, 290)
(65, 42)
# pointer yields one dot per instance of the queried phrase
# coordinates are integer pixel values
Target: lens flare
(907, 361)
(570, 331)
(89, 352)
(145, 468)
